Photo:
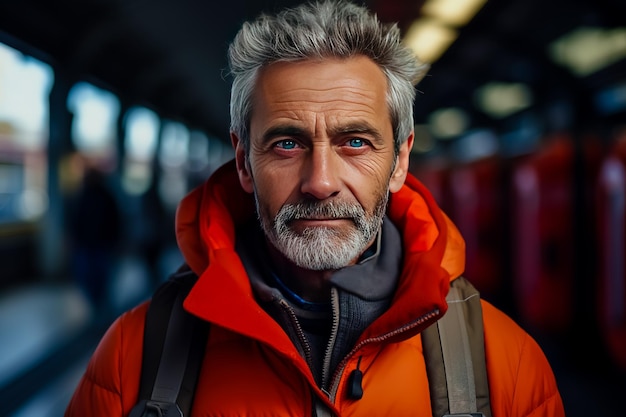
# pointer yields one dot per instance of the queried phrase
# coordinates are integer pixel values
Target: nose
(320, 175)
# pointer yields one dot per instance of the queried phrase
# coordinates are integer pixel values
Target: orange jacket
(251, 367)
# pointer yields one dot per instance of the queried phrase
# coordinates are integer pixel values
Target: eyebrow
(346, 129)
(358, 127)
(283, 130)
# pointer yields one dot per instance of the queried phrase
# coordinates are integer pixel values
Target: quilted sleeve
(521, 380)
(110, 384)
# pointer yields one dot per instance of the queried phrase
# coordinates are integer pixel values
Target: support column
(52, 253)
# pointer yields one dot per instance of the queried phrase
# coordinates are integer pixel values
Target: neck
(313, 286)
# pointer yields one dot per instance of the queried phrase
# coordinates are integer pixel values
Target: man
(317, 254)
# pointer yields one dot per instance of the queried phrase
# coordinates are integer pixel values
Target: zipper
(332, 392)
(299, 332)
(318, 409)
(334, 299)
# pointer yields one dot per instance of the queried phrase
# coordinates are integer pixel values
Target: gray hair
(336, 29)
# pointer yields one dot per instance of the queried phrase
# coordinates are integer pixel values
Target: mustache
(320, 210)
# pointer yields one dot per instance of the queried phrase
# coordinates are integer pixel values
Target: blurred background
(111, 111)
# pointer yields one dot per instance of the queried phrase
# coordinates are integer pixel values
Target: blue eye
(286, 144)
(356, 143)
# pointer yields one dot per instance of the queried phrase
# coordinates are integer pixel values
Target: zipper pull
(355, 383)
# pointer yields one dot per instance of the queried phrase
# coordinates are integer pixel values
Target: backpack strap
(454, 352)
(172, 354)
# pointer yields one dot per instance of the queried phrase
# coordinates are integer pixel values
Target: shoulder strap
(173, 348)
(172, 355)
(455, 356)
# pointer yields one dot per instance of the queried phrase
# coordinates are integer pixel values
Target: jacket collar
(205, 226)
(374, 277)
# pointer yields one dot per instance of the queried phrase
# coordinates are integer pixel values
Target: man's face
(321, 160)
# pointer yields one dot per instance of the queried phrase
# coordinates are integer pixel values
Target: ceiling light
(431, 35)
(587, 50)
(452, 12)
(429, 39)
(501, 99)
(448, 123)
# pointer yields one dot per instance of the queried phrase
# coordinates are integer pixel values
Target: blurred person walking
(95, 223)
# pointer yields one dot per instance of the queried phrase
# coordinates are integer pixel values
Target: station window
(173, 157)
(142, 131)
(141, 140)
(94, 127)
(25, 85)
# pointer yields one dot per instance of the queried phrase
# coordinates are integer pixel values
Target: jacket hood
(206, 219)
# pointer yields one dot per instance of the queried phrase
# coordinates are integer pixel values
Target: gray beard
(323, 248)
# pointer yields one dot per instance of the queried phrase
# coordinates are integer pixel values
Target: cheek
(272, 192)
(369, 194)
(372, 184)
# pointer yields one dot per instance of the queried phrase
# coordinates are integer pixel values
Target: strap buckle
(151, 408)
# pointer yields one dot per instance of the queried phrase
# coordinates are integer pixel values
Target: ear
(402, 165)
(243, 167)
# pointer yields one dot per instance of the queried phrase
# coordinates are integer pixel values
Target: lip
(319, 222)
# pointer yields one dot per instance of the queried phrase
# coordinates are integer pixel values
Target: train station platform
(48, 331)
(37, 323)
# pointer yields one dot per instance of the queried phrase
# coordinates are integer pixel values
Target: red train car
(477, 205)
(611, 214)
(543, 236)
